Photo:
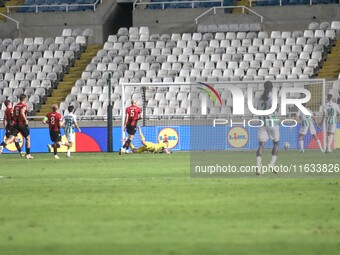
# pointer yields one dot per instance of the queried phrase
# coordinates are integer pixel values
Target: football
(286, 145)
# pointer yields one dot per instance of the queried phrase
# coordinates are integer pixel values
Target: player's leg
(263, 137)
(26, 134)
(330, 136)
(303, 132)
(259, 157)
(302, 150)
(127, 143)
(275, 137)
(68, 153)
(313, 133)
(6, 142)
(28, 147)
(275, 151)
(17, 145)
(329, 141)
(141, 149)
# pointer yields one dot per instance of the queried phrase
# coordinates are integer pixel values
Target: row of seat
(196, 57)
(35, 70)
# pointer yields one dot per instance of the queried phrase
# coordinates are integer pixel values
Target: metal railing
(244, 8)
(192, 3)
(280, 2)
(11, 19)
(61, 6)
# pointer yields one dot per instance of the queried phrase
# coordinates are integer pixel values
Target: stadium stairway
(9, 3)
(331, 67)
(64, 87)
(241, 3)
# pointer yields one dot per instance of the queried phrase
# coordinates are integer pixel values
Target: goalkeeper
(151, 147)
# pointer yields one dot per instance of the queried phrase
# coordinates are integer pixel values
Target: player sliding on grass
(330, 112)
(151, 147)
(270, 128)
(54, 121)
(133, 114)
(307, 124)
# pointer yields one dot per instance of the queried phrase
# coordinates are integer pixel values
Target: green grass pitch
(148, 204)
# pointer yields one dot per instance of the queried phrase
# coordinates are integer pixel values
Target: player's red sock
(17, 145)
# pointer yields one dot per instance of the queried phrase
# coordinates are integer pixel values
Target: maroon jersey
(132, 113)
(18, 119)
(9, 116)
(53, 120)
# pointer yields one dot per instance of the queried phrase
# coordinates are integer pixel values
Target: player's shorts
(9, 131)
(70, 137)
(304, 129)
(55, 136)
(265, 133)
(24, 130)
(131, 130)
(330, 128)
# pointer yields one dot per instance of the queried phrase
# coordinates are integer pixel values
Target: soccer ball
(286, 145)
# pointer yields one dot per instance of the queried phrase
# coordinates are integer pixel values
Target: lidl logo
(11, 146)
(170, 135)
(237, 137)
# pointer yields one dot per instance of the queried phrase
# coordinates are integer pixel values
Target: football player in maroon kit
(132, 114)
(54, 121)
(21, 125)
(8, 125)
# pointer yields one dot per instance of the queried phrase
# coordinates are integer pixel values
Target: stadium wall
(104, 21)
(287, 18)
(181, 138)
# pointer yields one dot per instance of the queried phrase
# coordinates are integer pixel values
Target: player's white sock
(272, 162)
(301, 144)
(62, 143)
(258, 161)
(68, 152)
(319, 144)
(330, 140)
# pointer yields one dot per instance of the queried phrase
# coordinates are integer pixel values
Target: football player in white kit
(270, 128)
(70, 121)
(330, 112)
(307, 124)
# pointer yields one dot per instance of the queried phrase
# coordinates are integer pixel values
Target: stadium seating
(135, 55)
(58, 6)
(34, 67)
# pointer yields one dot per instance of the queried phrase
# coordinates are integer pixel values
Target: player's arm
(23, 115)
(126, 118)
(141, 136)
(77, 126)
(315, 121)
(5, 122)
(140, 115)
(61, 123)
